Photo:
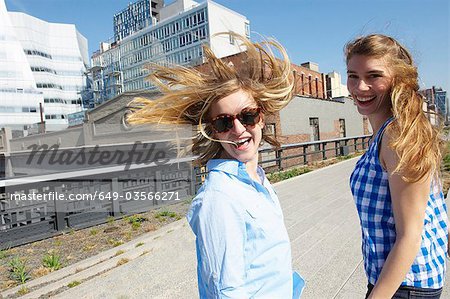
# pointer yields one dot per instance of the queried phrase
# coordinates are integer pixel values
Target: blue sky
(311, 30)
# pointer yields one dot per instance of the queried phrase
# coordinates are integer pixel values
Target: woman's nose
(238, 127)
(362, 85)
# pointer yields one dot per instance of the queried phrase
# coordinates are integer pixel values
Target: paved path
(322, 224)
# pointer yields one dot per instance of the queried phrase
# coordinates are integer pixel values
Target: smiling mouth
(242, 142)
(365, 100)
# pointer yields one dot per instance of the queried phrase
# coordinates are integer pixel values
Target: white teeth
(365, 99)
(242, 141)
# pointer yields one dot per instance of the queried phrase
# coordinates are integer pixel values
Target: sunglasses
(225, 122)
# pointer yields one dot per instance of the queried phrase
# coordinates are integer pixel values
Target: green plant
(135, 220)
(22, 291)
(4, 254)
(115, 243)
(93, 231)
(287, 174)
(52, 261)
(139, 244)
(110, 220)
(18, 270)
(122, 261)
(135, 225)
(119, 252)
(166, 214)
(73, 283)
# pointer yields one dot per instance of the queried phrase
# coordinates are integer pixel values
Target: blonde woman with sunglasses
(243, 249)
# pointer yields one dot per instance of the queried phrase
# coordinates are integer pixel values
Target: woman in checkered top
(395, 184)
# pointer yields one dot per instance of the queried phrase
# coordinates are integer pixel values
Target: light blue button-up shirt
(243, 249)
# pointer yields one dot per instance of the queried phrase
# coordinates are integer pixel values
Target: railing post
(193, 178)
(60, 222)
(324, 152)
(115, 205)
(278, 155)
(305, 160)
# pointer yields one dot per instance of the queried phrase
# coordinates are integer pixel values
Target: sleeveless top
(370, 188)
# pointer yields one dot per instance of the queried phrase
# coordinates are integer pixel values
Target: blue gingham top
(370, 188)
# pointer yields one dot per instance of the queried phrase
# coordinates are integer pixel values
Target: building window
(232, 41)
(342, 132)
(315, 132)
(247, 30)
(270, 129)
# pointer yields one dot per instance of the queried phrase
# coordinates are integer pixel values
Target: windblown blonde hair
(416, 142)
(187, 94)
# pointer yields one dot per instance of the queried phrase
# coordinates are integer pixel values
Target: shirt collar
(226, 165)
(233, 167)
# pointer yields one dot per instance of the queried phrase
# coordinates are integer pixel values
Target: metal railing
(315, 150)
(296, 154)
(22, 221)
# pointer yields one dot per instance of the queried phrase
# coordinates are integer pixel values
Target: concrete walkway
(322, 224)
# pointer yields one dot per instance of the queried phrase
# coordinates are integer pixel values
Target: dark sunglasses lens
(223, 124)
(250, 117)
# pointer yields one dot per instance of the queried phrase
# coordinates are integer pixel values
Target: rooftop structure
(176, 38)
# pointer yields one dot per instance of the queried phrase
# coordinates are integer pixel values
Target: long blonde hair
(187, 94)
(414, 139)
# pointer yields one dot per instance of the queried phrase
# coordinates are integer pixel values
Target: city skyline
(310, 31)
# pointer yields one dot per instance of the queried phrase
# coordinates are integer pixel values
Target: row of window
(194, 19)
(38, 53)
(39, 69)
(61, 101)
(133, 18)
(9, 109)
(42, 69)
(48, 85)
(55, 116)
(176, 42)
(20, 90)
(165, 31)
(55, 57)
(180, 57)
(56, 86)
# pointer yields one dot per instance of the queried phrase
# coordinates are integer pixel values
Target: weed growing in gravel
(52, 260)
(18, 270)
(135, 220)
(73, 283)
(122, 261)
(115, 243)
(22, 291)
(4, 254)
(287, 174)
(162, 214)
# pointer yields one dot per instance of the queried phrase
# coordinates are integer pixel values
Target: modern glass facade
(135, 17)
(58, 57)
(19, 95)
(441, 104)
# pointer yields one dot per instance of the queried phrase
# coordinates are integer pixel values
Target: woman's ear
(262, 121)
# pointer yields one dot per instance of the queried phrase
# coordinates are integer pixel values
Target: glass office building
(40, 63)
(176, 38)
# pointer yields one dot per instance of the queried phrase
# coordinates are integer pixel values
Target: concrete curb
(94, 265)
